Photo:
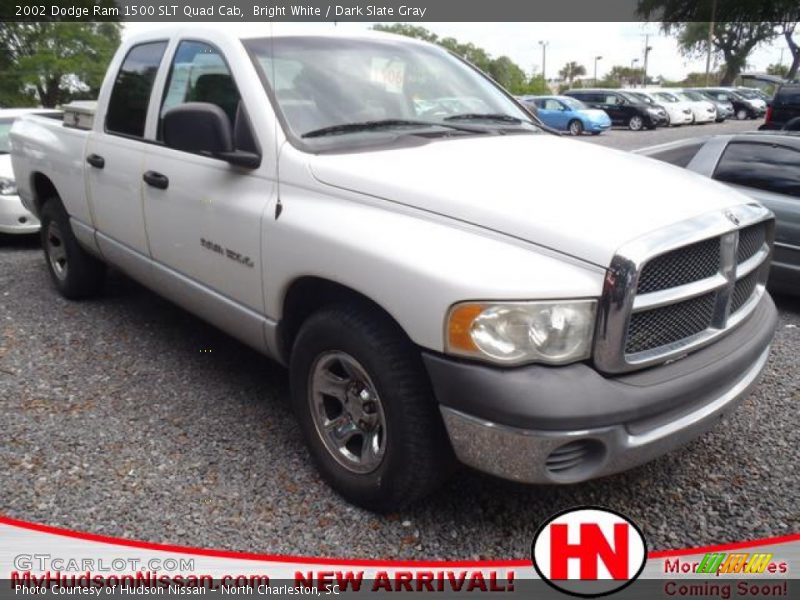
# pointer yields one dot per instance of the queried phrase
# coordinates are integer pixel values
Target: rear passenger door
(612, 104)
(554, 113)
(115, 156)
(204, 219)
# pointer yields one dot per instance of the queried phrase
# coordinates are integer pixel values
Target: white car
(668, 98)
(14, 217)
(704, 110)
(677, 113)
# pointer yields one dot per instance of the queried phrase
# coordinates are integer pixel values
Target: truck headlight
(512, 333)
(8, 187)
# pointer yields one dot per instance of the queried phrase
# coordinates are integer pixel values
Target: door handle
(156, 180)
(96, 161)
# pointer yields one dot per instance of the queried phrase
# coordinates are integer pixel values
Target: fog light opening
(576, 460)
(23, 220)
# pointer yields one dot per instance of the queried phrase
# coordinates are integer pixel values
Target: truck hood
(571, 196)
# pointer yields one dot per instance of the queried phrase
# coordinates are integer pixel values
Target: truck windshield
(331, 88)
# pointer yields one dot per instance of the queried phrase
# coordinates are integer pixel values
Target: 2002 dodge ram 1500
(382, 218)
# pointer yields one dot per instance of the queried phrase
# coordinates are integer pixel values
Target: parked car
(569, 114)
(703, 109)
(623, 108)
(676, 114)
(744, 108)
(14, 217)
(671, 97)
(724, 107)
(431, 289)
(765, 166)
(784, 111)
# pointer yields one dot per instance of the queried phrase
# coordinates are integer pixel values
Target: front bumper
(15, 218)
(539, 424)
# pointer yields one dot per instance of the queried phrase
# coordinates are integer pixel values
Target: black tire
(417, 455)
(636, 123)
(75, 273)
(575, 127)
(742, 115)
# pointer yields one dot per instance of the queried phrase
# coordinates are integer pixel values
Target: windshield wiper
(382, 124)
(485, 117)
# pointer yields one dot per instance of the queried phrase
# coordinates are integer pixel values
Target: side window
(680, 156)
(611, 99)
(200, 74)
(551, 104)
(768, 167)
(130, 96)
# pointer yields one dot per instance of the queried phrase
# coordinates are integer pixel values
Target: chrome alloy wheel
(347, 412)
(56, 251)
(636, 123)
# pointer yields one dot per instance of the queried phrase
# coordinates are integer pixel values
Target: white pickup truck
(443, 278)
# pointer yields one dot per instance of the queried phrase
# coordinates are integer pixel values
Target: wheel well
(309, 294)
(43, 189)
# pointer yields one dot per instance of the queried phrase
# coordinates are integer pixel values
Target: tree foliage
(55, 61)
(571, 71)
(502, 69)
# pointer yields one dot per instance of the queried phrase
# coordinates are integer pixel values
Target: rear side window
(200, 74)
(130, 96)
(771, 167)
(680, 156)
(790, 96)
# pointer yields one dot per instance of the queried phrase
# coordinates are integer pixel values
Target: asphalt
(127, 416)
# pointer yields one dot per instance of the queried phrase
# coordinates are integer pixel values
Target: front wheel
(75, 273)
(741, 114)
(635, 123)
(366, 408)
(575, 127)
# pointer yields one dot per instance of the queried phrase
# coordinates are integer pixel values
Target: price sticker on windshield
(388, 73)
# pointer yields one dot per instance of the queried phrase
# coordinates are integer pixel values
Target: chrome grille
(681, 266)
(750, 240)
(669, 324)
(675, 290)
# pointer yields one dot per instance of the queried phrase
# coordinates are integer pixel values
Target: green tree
(571, 70)
(778, 69)
(57, 60)
(625, 75)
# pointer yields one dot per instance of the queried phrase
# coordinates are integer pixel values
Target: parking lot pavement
(127, 416)
(625, 139)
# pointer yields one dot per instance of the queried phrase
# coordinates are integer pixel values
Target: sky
(617, 43)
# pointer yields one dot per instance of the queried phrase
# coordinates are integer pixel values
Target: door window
(551, 104)
(199, 73)
(130, 96)
(771, 167)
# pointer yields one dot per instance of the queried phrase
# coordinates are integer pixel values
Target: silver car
(765, 165)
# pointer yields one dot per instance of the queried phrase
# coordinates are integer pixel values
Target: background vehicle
(703, 109)
(429, 302)
(677, 114)
(14, 217)
(744, 108)
(764, 165)
(622, 108)
(724, 107)
(568, 114)
(784, 111)
(669, 97)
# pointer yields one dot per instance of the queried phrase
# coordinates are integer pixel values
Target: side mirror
(204, 128)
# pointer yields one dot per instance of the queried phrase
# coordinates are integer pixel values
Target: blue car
(568, 114)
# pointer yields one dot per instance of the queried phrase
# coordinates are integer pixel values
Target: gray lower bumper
(544, 456)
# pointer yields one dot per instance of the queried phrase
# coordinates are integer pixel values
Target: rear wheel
(575, 127)
(635, 123)
(366, 408)
(75, 273)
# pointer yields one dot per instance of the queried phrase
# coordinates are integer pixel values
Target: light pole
(710, 40)
(633, 72)
(544, 44)
(596, 58)
(646, 54)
